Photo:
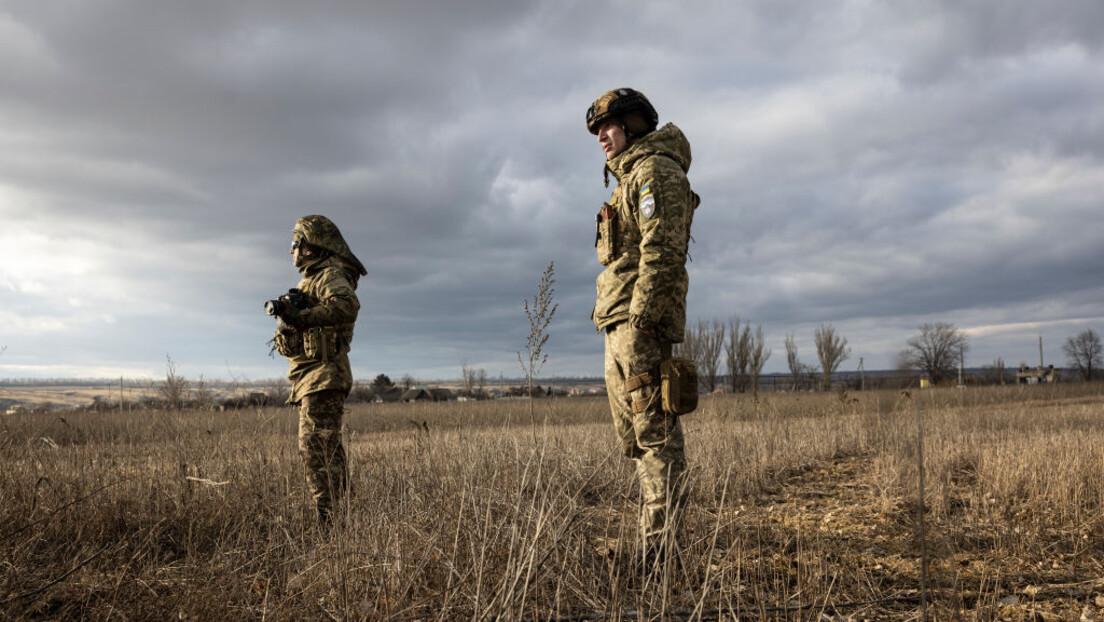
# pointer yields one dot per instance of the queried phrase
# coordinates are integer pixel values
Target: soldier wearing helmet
(314, 332)
(643, 234)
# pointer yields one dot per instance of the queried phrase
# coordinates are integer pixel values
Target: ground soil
(837, 505)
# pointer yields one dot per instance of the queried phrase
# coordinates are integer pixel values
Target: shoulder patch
(647, 201)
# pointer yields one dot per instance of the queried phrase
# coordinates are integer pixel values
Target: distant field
(72, 396)
(61, 396)
(804, 507)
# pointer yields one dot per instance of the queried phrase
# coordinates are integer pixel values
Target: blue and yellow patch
(647, 201)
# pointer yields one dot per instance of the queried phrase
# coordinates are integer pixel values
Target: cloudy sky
(869, 165)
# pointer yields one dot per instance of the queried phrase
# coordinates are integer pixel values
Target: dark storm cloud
(873, 166)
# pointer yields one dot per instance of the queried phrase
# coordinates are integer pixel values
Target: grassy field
(804, 507)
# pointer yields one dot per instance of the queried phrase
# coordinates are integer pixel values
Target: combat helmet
(619, 103)
(321, 232)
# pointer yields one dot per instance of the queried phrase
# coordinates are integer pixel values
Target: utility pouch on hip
(320, 343)
(678, 386)
(288, 344)
(606, 240)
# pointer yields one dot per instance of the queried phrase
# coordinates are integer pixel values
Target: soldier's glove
(289, 313)
(288, 306)
(281, 309)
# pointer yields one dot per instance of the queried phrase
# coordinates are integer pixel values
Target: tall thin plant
(539, 312)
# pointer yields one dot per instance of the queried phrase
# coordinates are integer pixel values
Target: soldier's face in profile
(612, 138)
(299, 252)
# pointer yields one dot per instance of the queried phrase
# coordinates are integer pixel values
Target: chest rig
(615, 228)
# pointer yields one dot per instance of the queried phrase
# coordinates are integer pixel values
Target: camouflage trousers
(651, 437)
(320, 445)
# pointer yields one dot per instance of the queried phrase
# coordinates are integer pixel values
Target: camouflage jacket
(644, 234)
(320, 358)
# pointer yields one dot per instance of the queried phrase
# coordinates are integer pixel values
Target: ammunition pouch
(288, 344)
(606, 234)
(317, 343)
(320, 343)
(678, 383)
(677, 380)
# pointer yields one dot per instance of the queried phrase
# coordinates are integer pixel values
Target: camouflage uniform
(644, 252)
(643, 237)
(316, 344)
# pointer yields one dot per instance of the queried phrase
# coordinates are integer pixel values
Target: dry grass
(804, 506)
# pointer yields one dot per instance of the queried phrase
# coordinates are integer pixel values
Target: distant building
(417, 395)
(427, 395)
(1038, 375)
(389, 395)
(442, 395)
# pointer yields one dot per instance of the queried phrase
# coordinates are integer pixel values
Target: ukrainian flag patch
(647, 201)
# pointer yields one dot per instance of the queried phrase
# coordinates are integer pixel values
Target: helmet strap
(629, 137)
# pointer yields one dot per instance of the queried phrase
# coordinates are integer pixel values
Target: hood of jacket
(321, 232)
(666, 141)
(313, 266)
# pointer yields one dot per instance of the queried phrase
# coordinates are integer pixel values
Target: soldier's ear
(635, 124)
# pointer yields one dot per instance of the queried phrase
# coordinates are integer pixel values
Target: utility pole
(862, 375)
(1040, 351)
(961, 364)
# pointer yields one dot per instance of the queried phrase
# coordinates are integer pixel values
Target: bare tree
(745, 354)
(174, 389)
(995, 373)
(936, 350)
(204, 396)
(1084, 352)
(735, 358)
(467, 379)
(831, 351)
(743, 358)
(797, 368)
(710, 339)
(757, 357)
(473, 381)
(481, 383)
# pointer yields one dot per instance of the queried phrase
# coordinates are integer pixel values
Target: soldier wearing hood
(643, 235)
(314, 332)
